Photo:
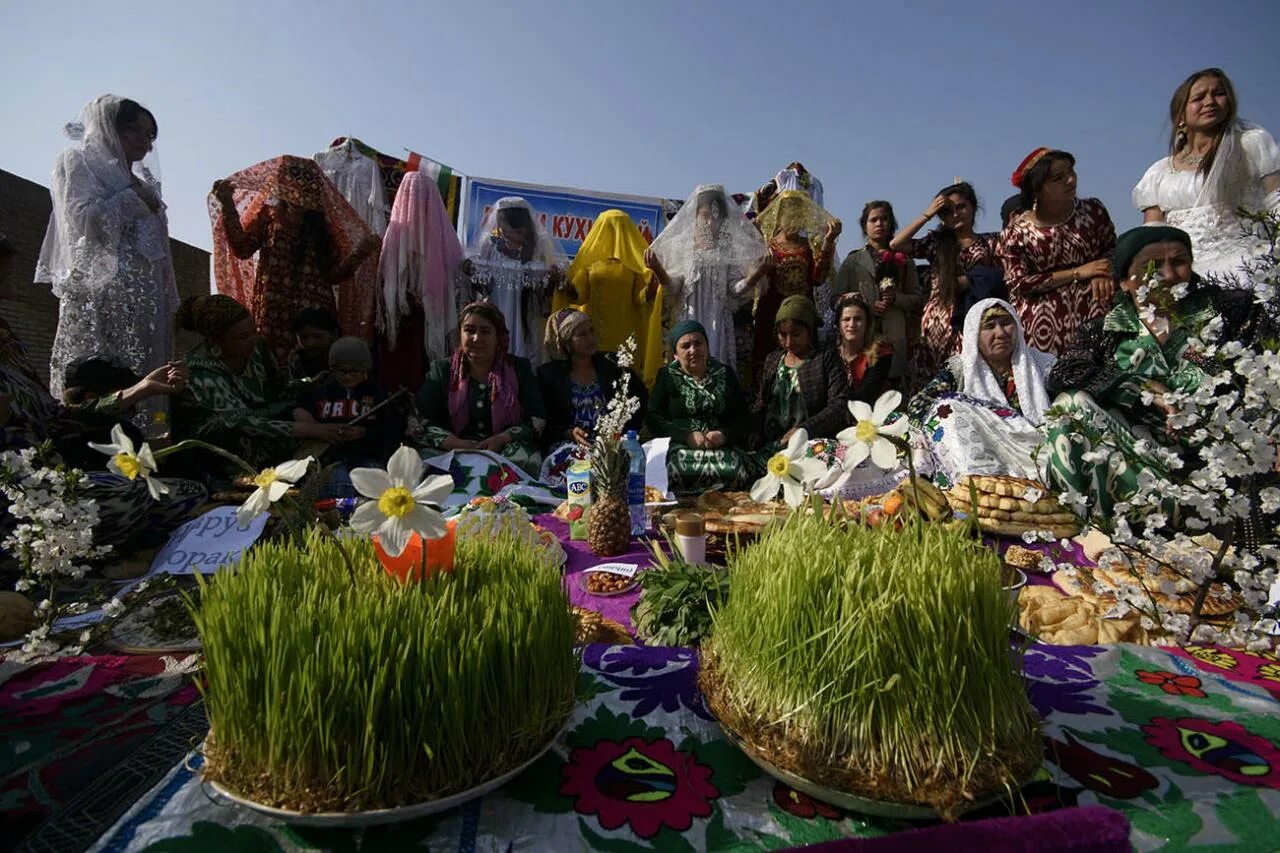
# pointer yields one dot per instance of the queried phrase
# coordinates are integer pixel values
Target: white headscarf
(732, 241)
(1030, 365)
(484, 248)
(93, 203)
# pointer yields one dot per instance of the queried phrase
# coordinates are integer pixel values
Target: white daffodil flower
(131, 463)
(789, 469)
(399, 501)
(273, 484)
(866, 437)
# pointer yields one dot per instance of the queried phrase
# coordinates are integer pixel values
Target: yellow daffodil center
(866, 431)
(779, 465)
(265, 478)
(396, 502)
(128, 465)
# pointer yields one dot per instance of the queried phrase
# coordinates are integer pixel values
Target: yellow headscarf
(794, 212)
(612, 235)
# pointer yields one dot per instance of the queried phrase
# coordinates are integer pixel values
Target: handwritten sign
(627, 570)
(207, 543)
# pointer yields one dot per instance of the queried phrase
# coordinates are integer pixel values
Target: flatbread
(1009, 487)
(959, 498)
(1017, 528)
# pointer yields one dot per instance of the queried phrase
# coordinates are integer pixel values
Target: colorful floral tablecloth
(1185, 745)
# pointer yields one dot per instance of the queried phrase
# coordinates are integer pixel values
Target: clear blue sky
(885, 101)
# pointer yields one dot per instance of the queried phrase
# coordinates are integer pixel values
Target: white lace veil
(93, 202)
(487, 243)
(1229, 181)
(726, 239)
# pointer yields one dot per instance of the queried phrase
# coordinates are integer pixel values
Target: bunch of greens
(874, 661)
(328, 693)
(674, 608)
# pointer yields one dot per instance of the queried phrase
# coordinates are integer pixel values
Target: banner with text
(567, 214)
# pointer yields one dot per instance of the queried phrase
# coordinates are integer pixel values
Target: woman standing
(106, 252)
(887, 282)
(483, 398)
(284, 239)
(709, 258)
(866, 358)
(953, 251)
(1217, 163)
(802, 241)
(514, 264)
(576, 383)
(1056, 256)
(698, 403)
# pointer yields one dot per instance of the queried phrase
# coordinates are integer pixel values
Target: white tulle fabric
(520, 288)
(1205, 205)
(708, 262)
(1030, 366)
(358, 178)
(420, 255)
(105, 253)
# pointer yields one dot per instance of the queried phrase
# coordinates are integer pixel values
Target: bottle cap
(630, 434)
(690, 524)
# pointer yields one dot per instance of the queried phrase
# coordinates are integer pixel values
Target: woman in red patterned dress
(1056, 256)
(952, 249)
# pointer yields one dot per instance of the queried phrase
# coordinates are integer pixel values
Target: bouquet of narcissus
(332, 687)
(875, 663)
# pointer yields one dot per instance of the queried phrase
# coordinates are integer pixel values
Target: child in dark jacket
(346, 394)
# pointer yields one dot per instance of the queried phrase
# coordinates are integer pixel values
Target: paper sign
(206, 543)
(627, 570)
(655, 464)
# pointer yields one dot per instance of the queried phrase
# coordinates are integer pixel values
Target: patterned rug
(1177, 743)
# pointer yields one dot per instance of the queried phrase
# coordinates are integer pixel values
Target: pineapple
(609, 531)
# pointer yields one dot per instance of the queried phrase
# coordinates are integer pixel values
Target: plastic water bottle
(635, 482)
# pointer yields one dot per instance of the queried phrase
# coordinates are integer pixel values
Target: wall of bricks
(33, 311)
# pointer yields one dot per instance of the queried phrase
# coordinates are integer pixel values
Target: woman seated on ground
(128, 515)
(483, 398)
(1121, 358)
(802, 386)
(867, 359)
(698, 403)
(238, 399)
(576, 384)
(981, 413)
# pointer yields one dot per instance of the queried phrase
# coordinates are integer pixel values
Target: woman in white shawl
(708, 259)
(1217, 164)
(515, 265)
(106, 252)
(981, 414)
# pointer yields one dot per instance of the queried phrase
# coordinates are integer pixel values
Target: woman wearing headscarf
(887, 282)
(1217, 164)
(608, 279)
(802, 241)
(106, 252)
(709, 258)
(238, 398)
(1056, 255)
(482, 397)
(577, 382)
(981, 414)
(1113, 378)
(515, 265)
(963, 269)
(802, 385)
(698, 403)
(285, 239)
(418, 274)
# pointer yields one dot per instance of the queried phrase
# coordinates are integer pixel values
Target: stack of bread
(1157, 582)
(1012, 506)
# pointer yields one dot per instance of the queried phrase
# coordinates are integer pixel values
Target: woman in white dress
(515, 265)
(1217, 163)
(981, 414)
(106, 252)
(708, 259)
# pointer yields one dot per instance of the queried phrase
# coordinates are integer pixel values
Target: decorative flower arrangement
(889, 268)
(790, 471)
(1221, 484)
(878, 665)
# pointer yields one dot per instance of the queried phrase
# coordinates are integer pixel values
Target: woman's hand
(224, 192)
(1103, 289)
(579, 436)
(1094, 269)
(935, 207)
(834, 227)
(697, 440)
(495, 443)
(882, 305)
(715, 439)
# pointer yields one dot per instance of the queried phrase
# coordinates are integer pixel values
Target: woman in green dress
(484, 398)
(1111, 382)
(697, 402)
